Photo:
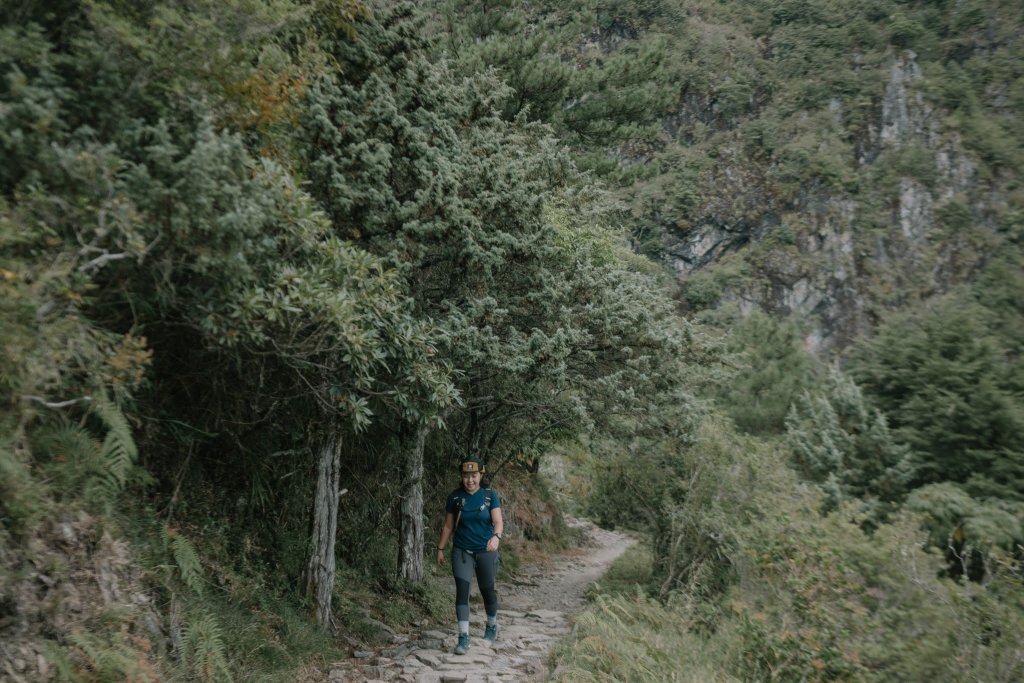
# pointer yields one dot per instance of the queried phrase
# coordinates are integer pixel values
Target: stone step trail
(538, 615)
(519, 654)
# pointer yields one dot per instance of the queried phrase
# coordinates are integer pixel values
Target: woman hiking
(473, 517)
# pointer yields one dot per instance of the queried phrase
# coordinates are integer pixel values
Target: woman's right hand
(440, 557)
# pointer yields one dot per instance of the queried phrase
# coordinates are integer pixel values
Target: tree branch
(102, 260)
(56, 404)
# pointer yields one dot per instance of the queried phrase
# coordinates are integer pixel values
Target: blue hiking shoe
(491, 632)
(463, 646)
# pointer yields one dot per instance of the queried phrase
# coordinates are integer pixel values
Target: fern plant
(118, 452)
(205, 654)
(66, 453)
(76, 460)
(69, 455)
(186, 559)
(201, 649)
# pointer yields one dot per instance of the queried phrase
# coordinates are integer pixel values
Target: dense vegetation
(268, 268)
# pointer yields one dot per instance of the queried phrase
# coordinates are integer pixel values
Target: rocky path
(537, 605)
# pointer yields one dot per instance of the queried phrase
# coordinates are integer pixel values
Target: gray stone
(375, 672)
(429, 659)
(509, 614)
(546, 614)
(430, 643)
(471, 657)
(434, 635)
(400, 652)
(376, 623)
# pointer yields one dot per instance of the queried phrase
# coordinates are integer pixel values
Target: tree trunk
(320, 566)
(410, 542)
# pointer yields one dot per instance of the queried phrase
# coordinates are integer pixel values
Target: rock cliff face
(840, 255)
(73, 572)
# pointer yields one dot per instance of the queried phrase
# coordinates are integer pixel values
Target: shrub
(805, 597)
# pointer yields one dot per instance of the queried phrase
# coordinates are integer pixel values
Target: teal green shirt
(474, 528)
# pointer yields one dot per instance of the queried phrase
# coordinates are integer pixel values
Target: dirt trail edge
(536, 609)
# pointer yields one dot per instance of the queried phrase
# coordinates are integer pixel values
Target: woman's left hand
(492, 544)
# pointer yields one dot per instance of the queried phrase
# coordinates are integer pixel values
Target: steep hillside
(880, 165)
(819, 157)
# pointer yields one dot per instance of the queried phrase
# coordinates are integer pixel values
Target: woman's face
(471, 481)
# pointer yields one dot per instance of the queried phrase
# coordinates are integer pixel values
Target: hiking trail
(536, 606)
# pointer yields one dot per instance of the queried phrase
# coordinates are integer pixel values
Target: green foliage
(613, 101)
(104, 660)
(912, 161)
(974, 533)
(186, 559)
(681, 495)
(611, 97)
(118, 452)
(811, 72)
(702, 291)
(483, 36)
(631, 570)
(544, 315)
(949, 393)
(634, 638)
(19, 503)
(954, 216)
(700, 541)
(231, 612)
(1000, 290)
(904, 32)
(146, 216)
(204, 650)
(774, 370)
(848, 449)
(948, 382)
(82, 465)
(73, 459)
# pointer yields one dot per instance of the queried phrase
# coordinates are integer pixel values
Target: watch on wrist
(497, 536)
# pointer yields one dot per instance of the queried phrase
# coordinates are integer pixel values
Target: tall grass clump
(635, 638)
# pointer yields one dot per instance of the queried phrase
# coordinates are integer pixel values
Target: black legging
(486, 566)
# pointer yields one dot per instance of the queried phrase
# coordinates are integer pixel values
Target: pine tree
(947, 392)
(847, 448)
(774, 369)
(523, 52)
